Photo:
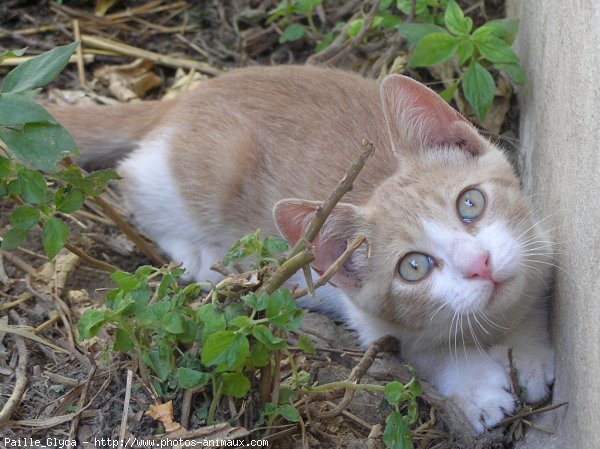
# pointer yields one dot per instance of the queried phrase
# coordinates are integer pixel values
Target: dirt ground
(78, 392)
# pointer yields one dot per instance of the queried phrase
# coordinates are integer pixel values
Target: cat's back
(301, 125)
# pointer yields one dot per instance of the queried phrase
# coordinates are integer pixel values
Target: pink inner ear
(417, 116)
(292, 216)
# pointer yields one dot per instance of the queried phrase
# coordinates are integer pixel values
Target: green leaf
(266, 337)
(153, 313)
(40, 144)
(495, 49)
(13, 238)
(235, 384)
(160, 360)
(456, 21)
(478, 87)
(290, 413)
(12, 53)
(385, 4)
(125, 281)
(25, 217)
(224, 348)
(394, 392)
(123, 342)
(90, 323)
(464, 52)
(212, 320)
(54, 237)
(326, 42)
(433, 49)
(191, 378)
(68, 201)
(5, 167)
(513, 71)
(17, 110)
(414, 32)
(282, 310)
(274, 245)
(38, 71)
(33, 186)
(397, 434)
(354, 27)
(306, 345)
(505, 29)
(448, 93)
(258, 303)
(414, 387)
(174, 323)
(259, 356)
(292, 33)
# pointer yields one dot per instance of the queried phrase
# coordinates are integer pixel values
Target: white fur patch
(151, 194)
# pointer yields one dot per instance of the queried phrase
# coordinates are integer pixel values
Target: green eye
(470, 205)
(415, 266)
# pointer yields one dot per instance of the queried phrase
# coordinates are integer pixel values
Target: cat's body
(213, 165)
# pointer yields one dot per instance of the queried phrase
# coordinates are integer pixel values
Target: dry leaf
(163, 413)
(52, 277)
(184, 81)
(130, 81)
(497, 113)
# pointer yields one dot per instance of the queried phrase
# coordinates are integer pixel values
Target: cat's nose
(478, 267)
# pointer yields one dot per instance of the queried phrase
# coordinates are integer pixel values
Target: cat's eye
(470, 204)
(415, 266)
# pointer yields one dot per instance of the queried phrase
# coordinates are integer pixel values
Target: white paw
(480, 387)
(535, 368)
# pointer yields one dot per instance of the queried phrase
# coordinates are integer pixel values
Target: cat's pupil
(414, 264)
(469, 203)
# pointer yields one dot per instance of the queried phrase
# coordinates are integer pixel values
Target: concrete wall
(559, 45)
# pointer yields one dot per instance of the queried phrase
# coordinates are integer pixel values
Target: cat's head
(450, 234)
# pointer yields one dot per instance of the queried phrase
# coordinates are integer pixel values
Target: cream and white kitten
(457, 264)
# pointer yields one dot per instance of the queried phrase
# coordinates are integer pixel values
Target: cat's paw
(481, 389)
(535, 369)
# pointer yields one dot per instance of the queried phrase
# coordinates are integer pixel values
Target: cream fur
(212, 165)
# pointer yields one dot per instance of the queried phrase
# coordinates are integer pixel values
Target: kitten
(457, 265)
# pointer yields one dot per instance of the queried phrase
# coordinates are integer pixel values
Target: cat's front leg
(477, 383)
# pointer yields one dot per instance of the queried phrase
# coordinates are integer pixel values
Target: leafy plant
(157, 323)
(33, 143)
(476, 51)
(397, 433)
(287, 13)
(264, 251)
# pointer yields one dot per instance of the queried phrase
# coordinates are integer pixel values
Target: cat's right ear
(293, 215)
(418, 118)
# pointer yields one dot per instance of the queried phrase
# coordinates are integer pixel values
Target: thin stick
(79, 53)
(125, 408)
(537, 411)
(104, 266)
(342, 188)
(20, 374)
(128, 50)
(145, 247)
(333, 267)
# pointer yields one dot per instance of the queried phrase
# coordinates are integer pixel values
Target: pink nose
(478, 268)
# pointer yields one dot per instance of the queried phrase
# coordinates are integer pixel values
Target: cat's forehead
(428, 188)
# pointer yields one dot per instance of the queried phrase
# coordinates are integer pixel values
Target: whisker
(475, 340)
(488, 320)
(551, 264)
(480, 325)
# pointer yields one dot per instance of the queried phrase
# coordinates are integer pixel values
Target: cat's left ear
(418, 118)
(293, 215)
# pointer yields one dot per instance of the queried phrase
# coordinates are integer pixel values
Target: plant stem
(217, 390)
(104, 266)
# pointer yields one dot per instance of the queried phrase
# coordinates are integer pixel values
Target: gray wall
(559, 45)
